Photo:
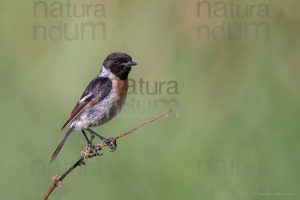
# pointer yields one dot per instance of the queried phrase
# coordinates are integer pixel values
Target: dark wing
(95, 92)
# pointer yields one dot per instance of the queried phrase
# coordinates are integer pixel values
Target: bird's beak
(130, 63)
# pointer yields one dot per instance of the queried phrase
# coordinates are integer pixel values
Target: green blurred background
(234, 132)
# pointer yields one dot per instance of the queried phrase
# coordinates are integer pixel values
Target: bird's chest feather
(107, 108)
(120, 88)
(114, 101)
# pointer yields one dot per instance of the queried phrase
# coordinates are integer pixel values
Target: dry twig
(88, 153)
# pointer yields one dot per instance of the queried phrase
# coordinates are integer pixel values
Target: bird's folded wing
(95, 92)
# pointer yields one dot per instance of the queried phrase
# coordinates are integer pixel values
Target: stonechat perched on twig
(101, 101)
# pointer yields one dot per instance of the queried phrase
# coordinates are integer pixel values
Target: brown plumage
(96, 91)
(102, 99)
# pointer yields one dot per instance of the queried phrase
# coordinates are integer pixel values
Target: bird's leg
(109, 141)
(93, 133)
(90, 143)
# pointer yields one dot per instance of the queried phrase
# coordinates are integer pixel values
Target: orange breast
(121, 89)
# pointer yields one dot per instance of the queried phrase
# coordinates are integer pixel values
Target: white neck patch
(106, 73)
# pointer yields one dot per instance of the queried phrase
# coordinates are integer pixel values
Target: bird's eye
(116, 61)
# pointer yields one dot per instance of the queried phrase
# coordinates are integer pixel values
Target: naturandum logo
(231, 20)
(65, 20)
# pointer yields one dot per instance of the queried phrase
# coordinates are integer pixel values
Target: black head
(119, 64)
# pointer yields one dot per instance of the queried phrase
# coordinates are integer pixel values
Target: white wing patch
(84, 98)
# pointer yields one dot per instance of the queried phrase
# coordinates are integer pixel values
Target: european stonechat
(102, 99)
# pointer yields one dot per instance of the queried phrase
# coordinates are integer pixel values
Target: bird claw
(94, 151)
(89, 152)
(111, 143)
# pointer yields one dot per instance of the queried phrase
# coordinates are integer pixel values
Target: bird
(102, 100)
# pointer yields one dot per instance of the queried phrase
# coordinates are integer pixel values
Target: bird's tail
(61, 144)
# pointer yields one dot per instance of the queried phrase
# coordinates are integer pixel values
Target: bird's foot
(93, 150)
(111, 143)
(90, 151)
